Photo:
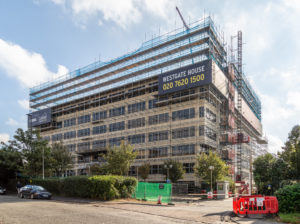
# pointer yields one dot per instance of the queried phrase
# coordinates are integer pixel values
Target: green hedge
(97, 187)
(289, 198)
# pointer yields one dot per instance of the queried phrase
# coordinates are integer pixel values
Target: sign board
(39, 117)
(184, 78)
(260, 201)
(209, 195)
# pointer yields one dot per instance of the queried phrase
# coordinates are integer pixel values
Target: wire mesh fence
(151, 192)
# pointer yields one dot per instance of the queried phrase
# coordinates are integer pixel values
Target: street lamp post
(168, 167)
(43, 164)
(211, 169)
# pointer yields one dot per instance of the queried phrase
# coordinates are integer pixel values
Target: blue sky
(43, 39)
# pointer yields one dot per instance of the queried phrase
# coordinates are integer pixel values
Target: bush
(97, 187)
(289, 198)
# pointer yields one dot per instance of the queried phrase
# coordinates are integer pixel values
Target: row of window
(118, 126)
(152, 137)
(155, 119)
(183, 132)
(158, 169)
(136, 107)
(136, 123)
(208, 132)
(158, 119)
(183, 114)
(205, 112)
(136, 139)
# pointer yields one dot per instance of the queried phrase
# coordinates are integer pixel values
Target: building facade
(171, 99)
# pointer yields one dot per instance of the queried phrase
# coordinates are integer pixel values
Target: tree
(291, 153)
(97, 169)
(268, 170)
(61, 159)
(119, 159)
(10, 163)
(144, 171)
(204, 161)
(33, 149)
(176, 172)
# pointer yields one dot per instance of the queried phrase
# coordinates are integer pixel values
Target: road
(62, 210)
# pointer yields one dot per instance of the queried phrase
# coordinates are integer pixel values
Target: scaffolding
(132, 80)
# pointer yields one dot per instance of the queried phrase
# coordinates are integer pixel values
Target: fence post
(144, 192)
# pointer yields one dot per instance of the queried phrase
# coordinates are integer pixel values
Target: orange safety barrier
(255, 204)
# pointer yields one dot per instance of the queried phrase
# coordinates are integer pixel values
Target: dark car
(34, 192)
(2, 190)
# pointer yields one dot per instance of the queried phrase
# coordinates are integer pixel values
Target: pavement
(74, 210)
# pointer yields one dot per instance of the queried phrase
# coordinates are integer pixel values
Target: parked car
(2, 190)
(34, 192)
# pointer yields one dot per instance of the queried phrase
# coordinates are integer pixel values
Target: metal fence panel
(151, 191)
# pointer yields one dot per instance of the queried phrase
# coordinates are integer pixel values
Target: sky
(44, 39)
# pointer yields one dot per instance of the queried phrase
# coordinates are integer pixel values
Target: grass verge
(290, 217)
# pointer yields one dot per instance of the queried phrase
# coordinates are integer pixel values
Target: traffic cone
(159, 200)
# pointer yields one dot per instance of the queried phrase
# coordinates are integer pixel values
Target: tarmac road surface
(14, 210)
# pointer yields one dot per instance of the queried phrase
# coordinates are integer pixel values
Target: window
(83, 132)
(189, 167)
(132, 171)
(158, 119)
(99, 115)
(179, 150)
(201, 111)
(158, 152)
(71, 147)
(158, 136)
(136, 107)
(117, 111)
(56, 137)
(152, 104)
(183, 114)
(156, 169)
(136, 123)
(99, 144)
(84, 119)
(136, 139)
(70, 134)
(119, 126)
(141, 154)
(183, 132)
(210, 115)
(116, 141)
(70, 122)
(83, 146)
(47, 138)
(99, 129)
(58, 125)
(208, 132)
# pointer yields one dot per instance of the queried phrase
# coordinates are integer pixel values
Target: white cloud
(274, 143)
(123, 13)
(29, 68)
(274, 110)
(58, 2)
(12, 122)
(293, 98)
(24, 104)
(4, 137)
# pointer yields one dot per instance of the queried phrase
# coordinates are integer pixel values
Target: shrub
(97, 187)
(289, 198)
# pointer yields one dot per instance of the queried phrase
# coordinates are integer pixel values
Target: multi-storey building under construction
(173, 98)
